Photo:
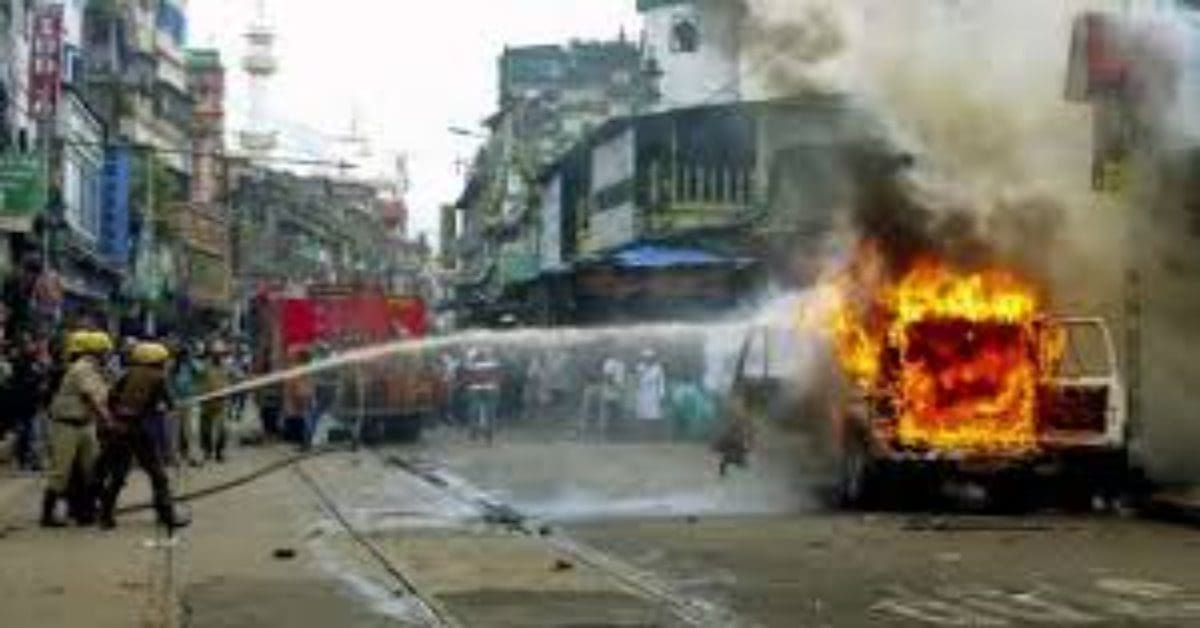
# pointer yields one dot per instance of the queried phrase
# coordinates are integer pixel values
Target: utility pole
(148, 239)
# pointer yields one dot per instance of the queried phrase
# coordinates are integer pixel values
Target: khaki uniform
(137, 399)
(73, 422)
(213, 412)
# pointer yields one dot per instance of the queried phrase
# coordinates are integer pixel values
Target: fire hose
(240, 481)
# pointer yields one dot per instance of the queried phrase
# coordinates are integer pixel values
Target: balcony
(690, 197)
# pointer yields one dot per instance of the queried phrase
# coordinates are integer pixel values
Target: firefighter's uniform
(74, 411)
(135, 400)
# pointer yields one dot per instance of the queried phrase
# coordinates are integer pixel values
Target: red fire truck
(383, 399)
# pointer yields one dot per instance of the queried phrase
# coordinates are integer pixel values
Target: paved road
(757, 546)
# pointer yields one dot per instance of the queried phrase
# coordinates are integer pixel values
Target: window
(82, 193)
(685, 35)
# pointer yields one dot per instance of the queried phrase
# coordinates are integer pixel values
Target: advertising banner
(114, 220)
(22, 190)
(45, 64)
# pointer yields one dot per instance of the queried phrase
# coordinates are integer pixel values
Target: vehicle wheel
(1013, 493)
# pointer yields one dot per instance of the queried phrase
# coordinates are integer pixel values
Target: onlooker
(449, 368)
(537, 388)
(613, 382)
(484, 388)
(298, 397)
(651, 392)
(29, 392)
(325, 392)
(183, 382)
(18, 295)
(214, 378)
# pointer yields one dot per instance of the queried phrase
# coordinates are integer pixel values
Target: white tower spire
(260, 64)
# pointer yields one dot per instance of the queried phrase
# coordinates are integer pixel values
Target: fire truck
(386, 398)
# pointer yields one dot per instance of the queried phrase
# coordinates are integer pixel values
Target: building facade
(687, 201)
(695, 48)
(305, 230)
(136, 79)
(205, 233)
(551, 97)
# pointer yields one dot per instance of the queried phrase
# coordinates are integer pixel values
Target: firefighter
(80, 402)
(137, 399)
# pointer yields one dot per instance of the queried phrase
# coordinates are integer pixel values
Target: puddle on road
(567, 482)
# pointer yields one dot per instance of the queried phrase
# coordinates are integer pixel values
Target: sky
(406, 70)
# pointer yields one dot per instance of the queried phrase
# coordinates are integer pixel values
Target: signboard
(208, 278)
(518, 263)
(45, 63)
(114, 218)
(22, 190)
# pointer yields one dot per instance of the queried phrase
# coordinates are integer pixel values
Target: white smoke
(976, 91)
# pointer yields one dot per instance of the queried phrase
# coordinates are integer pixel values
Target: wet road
(646, 534)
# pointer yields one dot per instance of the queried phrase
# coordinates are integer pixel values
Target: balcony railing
(689, 196)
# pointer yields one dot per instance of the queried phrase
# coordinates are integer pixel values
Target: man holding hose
(138, 398)
(78, 406)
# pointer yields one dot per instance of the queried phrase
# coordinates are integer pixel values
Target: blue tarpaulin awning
(659, 256)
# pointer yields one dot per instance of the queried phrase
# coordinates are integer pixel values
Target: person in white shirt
(483, 376)
(651, 387)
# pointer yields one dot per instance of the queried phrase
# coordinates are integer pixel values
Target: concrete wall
(710, 74)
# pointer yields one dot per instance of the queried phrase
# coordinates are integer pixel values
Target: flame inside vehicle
(953, 355)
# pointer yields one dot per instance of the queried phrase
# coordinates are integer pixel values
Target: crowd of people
(81, 410)
(598, 392)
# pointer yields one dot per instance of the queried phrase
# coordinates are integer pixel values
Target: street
(547, 530)
(670, 544)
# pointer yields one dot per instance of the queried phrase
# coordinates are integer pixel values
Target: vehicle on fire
(1076, 446)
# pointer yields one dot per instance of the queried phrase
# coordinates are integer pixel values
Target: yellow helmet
(100, 342)
(150, 354)
(77, 342)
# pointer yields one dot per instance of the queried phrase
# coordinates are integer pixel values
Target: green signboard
(22, 190)
(518, 263)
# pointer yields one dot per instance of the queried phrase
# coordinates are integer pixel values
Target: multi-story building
(16, 125)
(689, 200)
(205, 230)
(23, 171)
(137, 81)
(308, 229)
(550, 97)
(87, 221)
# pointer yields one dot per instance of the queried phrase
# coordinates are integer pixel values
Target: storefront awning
(653, 256)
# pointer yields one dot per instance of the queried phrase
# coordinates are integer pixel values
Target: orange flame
(957, 352)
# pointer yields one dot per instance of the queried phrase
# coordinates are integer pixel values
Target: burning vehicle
(965, 373)
(944, 374)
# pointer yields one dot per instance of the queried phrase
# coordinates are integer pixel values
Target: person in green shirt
(214, 378)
